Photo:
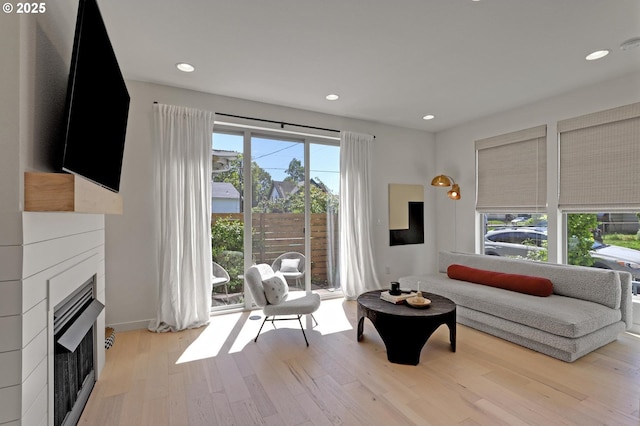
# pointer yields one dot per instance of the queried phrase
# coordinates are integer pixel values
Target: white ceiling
(390, 61)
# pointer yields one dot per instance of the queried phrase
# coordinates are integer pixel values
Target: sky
(275, 155)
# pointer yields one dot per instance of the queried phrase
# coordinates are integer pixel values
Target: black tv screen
(97, 105)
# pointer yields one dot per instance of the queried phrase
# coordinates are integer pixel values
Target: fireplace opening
(74, 372)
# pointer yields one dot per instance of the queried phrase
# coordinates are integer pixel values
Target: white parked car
(616, 257)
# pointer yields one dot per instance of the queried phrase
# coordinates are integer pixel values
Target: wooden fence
(277, 233)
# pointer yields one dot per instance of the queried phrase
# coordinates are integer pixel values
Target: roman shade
(600, 160)
(512, 171)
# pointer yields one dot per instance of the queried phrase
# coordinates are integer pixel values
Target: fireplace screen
(74, 374)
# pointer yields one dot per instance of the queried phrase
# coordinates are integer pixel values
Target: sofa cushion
(276, 289)
(536, 286)
(581, 282)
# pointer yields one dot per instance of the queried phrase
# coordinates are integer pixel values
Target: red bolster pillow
(536, 286)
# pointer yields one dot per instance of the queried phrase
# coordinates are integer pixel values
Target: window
(598, 196)
(522, 236)
(598, 172)
(511, 178)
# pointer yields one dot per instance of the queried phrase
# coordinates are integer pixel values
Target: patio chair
(271, 292)
(291, 265)
(220, 277)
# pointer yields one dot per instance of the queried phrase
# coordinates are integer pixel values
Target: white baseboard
(128, 326)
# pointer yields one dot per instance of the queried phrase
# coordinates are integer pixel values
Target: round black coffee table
(405, 329)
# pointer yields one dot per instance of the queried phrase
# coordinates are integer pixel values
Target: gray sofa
(589, 307)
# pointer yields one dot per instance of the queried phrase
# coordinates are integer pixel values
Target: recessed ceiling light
(183, 66)
(596, 55)
(632, 43)
(429, 117)
(332, 97)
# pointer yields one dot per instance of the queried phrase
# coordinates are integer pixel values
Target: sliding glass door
(288, 214)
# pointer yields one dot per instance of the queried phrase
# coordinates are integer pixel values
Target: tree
(321, 197)
(321, 201)
(261, 179)
(262, 183)
(580, 232)
(295, 171)
(227, 234)
(580, 228)
(233, 175)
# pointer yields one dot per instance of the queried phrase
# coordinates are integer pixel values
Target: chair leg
(265, 320)
(302, 328)
(273, 319)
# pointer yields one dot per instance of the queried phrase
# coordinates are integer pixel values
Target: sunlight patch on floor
(331, 317)
(247, 332)
(209, 343)
(238, 330)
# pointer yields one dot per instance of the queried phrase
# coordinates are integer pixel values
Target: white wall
(401, 156)
(9, 126)
(455, 152)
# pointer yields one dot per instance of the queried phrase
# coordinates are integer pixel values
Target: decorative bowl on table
(418, 301)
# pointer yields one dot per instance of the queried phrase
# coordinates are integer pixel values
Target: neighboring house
(221, 160)
(225, 198)
(618, 222)
(283, 189)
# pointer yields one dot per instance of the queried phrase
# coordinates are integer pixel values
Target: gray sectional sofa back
(606, 287)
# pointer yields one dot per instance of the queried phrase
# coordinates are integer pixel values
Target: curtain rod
(281, 123)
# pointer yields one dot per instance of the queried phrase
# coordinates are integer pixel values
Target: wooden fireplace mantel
(62, 192)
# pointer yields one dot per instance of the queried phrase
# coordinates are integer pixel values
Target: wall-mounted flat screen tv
(97, 104)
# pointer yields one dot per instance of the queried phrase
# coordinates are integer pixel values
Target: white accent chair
(270, 292)
(292, 265)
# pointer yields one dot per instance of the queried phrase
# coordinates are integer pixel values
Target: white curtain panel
(357, 271)
(182, 160)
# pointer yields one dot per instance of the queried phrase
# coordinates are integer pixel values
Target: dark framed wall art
(406, 214)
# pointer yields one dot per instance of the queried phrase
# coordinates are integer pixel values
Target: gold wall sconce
(446, 181)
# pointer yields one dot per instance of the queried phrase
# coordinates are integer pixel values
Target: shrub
(227, 234)
(227, 247)
(233, 263)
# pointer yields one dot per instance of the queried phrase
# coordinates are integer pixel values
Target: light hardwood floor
(217, 375)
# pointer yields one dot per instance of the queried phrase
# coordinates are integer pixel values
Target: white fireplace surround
(58, 254)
